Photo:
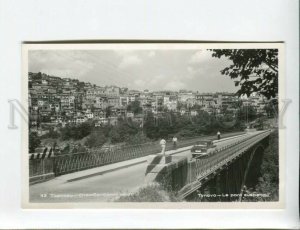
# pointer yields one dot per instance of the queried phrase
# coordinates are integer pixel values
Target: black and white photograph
(182, 123)
(149, 114)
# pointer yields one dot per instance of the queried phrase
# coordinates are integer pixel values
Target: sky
(154, 70)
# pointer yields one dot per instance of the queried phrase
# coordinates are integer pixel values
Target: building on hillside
(229, 100)
(190, 102)
(170, 102)
(204, 99)
(113, 101)
(101, 102)
(113, 120)
(183, 97)
(124, 100)
(89, 115)
(131, 98)
(112, 91)
(101, 121)
(129, 114)
(67, 101)
(99, 113)
(121, 111)
(44, 82)
(80, 120)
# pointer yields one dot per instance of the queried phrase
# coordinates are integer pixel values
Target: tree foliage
(272, 108)
(138, 138)
(247, 113)
(254, 70)
(108, 111)
(96, 139)
(34, 141)
(268, 183)
(76, 132)
(51, 134)
(173, 124)
(135, 107)
(155, 126)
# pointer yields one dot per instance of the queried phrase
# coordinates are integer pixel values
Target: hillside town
(60, 101)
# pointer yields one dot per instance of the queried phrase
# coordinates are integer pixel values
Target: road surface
(103, 183)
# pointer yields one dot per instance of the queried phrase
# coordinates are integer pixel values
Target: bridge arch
(252, 171)
(246, 169)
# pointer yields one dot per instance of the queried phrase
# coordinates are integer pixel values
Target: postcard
(153, 125)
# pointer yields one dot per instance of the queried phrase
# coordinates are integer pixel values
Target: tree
(66, 149)
(272, 108)
(76, 132)
(108, 111)
(115, 136)
(135, 107)
(95, 140)
(246, 113)
(268, 183)
(150, 126)
(138, 138)
(34, 141)
(255, 70)
(51, 134)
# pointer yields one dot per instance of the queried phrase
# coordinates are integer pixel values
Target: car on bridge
(203, 148)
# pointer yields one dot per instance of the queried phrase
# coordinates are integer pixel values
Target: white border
(206, 20)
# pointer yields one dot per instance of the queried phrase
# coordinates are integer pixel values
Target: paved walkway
(98, 184)
(125, 164)
(113, 167)
(128, 163)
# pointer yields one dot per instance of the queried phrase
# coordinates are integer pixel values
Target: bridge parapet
(41, 165)
(209, 167)
(172, 172)
(229, 152)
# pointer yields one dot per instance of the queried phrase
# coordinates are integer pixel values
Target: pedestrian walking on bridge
(219, 135)
(174, 142)
(163, 146)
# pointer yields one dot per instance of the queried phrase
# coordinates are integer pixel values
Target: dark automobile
(203, 148)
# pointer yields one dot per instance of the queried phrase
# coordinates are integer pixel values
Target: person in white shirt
(219, 135)
(174, 142)
(163, 146)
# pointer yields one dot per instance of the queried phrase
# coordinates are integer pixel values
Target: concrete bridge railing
(204, 166)
(173, 172)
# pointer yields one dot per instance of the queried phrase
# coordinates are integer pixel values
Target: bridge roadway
(107, 182)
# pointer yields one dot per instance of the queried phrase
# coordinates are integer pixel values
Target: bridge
(105, 175)
(225, 172)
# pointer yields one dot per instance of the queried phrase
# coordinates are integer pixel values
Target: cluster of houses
(55, 100)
